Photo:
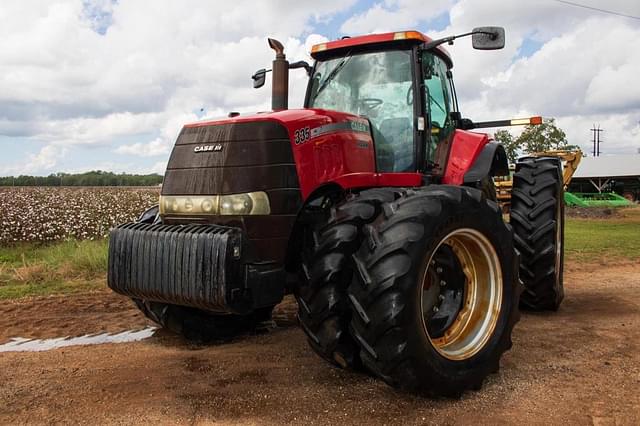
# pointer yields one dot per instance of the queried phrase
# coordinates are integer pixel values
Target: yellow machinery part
(504, 184)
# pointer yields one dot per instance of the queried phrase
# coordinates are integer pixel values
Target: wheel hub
(461, 294)
(444, 292)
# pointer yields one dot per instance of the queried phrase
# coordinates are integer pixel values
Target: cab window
(439, 103)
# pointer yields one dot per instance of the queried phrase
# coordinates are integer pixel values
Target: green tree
(92, 178)
(510, 144)
(544, 137)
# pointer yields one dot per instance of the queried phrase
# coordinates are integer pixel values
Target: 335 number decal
(301, 135)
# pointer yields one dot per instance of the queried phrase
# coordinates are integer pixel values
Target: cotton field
(56, 213)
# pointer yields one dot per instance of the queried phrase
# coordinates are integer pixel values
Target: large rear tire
(333, 236)
(436, 295)
(537, 217)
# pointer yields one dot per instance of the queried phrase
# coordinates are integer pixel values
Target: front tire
(436, 295)
(537, 217)
(327, 270)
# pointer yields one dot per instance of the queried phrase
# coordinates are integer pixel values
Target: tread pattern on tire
(537, 190)
(382, 291)
(327, 270)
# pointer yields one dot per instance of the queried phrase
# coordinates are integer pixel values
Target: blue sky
(104, 84)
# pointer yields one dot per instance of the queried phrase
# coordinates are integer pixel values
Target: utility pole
(596, 140)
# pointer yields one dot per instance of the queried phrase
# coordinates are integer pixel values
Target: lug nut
(443, 283)
(435, 309)
(441, 297)
(439, 270)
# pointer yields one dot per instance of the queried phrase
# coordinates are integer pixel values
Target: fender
(492, 161)
(465, 149)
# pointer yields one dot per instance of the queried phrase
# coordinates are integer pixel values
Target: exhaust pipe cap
(278, 47)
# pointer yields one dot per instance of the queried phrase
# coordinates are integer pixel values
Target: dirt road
(578, 366)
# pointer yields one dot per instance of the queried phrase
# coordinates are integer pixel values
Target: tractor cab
(405, 91)
(402, 83)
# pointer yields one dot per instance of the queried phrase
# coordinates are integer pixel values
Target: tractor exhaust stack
(280, 77)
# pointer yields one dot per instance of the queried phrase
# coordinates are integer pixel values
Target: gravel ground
(580, 365)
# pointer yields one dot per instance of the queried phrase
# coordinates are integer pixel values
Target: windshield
(379, 86)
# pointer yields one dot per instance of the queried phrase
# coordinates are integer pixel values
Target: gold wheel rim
(479, 312)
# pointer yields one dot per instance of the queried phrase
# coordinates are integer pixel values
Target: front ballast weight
(198, 266)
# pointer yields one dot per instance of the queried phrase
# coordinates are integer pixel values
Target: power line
(596, 140)
(597, 9)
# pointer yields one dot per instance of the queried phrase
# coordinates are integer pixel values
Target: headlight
(235, 204)
(251, 203)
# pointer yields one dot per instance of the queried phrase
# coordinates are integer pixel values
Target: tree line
(92, 178)
(542, 137)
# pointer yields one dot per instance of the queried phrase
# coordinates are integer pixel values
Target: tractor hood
(233, 155)
(279, 157)
(250, 153)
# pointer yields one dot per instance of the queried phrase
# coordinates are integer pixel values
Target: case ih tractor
(374, 205)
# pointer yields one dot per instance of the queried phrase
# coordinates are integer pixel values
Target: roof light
(319, 47)
(408, 35)
(415, 34)
(526, 121)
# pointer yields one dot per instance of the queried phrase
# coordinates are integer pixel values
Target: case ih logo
(208, 148)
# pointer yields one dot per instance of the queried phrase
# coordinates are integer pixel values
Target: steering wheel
(371, 103)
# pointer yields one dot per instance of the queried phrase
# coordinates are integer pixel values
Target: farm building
(612, 173)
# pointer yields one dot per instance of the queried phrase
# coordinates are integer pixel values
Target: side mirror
(259, 78)
(488, 38)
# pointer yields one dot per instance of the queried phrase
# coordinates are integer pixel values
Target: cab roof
(320, 50)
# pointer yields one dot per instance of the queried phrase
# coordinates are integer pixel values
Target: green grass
(607, 238)
(59, 268)
(74, 266)
(48, 288)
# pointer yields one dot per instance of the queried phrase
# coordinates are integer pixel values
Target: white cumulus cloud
(128, 74)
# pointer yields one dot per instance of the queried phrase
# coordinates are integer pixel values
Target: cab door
(439, 103)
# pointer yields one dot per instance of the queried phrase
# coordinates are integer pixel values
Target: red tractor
(374, 205)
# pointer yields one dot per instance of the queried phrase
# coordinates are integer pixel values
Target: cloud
(149, 149)
(394, 15)
(561, 79)
(91, 72)
(45, 159)
(123, 75)
(579, 75)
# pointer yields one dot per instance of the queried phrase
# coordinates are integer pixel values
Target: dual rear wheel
(431, 297)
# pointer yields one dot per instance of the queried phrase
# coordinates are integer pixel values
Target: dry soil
(580, 365)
